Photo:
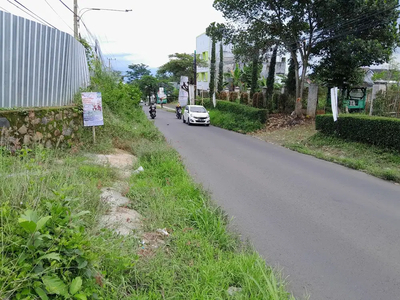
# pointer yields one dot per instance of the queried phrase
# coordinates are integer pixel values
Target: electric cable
(43, 20)
(59, 16)
(4, 9)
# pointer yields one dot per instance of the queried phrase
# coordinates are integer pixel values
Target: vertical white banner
(183, 95)
(191, 94)
(214, 100)
(334, 103)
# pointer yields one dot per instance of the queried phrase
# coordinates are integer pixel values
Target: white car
(196, 114)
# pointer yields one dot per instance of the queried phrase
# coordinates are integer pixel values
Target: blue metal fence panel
(39, 66)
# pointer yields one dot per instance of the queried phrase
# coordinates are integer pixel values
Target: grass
(381, 163)
(200, 259)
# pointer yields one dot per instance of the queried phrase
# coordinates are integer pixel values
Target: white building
(203, 50)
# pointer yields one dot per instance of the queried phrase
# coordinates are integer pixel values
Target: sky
(148, 34)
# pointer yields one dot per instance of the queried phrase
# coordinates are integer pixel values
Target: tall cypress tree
(291, 79)
(254, 73)
(271, 73)
(212, 68)
(221, 69)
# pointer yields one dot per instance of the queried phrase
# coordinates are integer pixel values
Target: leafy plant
(47, 253)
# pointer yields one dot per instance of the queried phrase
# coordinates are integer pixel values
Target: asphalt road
(334, 231)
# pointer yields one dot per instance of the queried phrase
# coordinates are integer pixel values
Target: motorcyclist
(178, 110)
(152, 110)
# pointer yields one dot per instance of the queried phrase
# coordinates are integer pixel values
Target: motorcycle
(152, 111)
(179, 113)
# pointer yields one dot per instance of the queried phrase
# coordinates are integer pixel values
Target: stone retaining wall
(51, 127)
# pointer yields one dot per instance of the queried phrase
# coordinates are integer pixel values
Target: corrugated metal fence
(39, 65)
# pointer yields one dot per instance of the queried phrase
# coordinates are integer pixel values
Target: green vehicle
(355, 99)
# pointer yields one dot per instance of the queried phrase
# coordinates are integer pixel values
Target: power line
(4, 9)
(58, 15)
(43, 20)
(80, 20)
(25, 11)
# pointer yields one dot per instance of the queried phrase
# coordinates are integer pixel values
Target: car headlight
(190, 115)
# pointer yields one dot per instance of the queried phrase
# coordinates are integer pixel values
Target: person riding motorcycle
(152, 110)
(178, 111)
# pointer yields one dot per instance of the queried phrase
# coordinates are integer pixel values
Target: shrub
(247, 112)
(255, 100)
(234, 122)
(223, 96)
(244, 98)
(286, 104)
(233, 96)
(379, 131)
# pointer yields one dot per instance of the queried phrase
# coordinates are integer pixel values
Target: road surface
(334, 231)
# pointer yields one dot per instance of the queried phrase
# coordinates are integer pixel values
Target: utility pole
(109, 62)
(195, 74)
(76, 34)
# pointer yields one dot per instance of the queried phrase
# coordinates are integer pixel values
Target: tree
(137, 71)
(215, 32)
(345, 33)
(148, 84)
(360, 33)
(212, 69)
(220, 86)
(180, 64)
(291, 80)
(271, 74)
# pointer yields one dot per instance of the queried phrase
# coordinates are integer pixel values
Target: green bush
(379, 131)
(244, 98)
(245, 111)
(235, 113)
(234, 122)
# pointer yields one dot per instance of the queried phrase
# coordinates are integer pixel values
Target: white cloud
(153, 30)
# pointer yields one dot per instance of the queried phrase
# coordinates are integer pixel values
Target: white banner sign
(214, 100)
(92, 109)
(161, 94)
(183, 95)
(191, 94)
(334, 103)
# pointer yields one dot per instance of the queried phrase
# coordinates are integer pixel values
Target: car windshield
(198, 110)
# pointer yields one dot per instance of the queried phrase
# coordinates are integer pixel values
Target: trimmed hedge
(247, 112)
(379, 131)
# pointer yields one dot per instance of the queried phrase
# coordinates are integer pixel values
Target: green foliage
(255, 72)
(50, 255)
(212, 68)
(250, 113)
(137, 71)
(90, 58)
(148, 84)
(234, 122)
(359, 33)
(388, 102)
(244, 98)
(271, 74)
(290, 82)
(180, 64)
(115, 94)
(220, 86)
(379, 131)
